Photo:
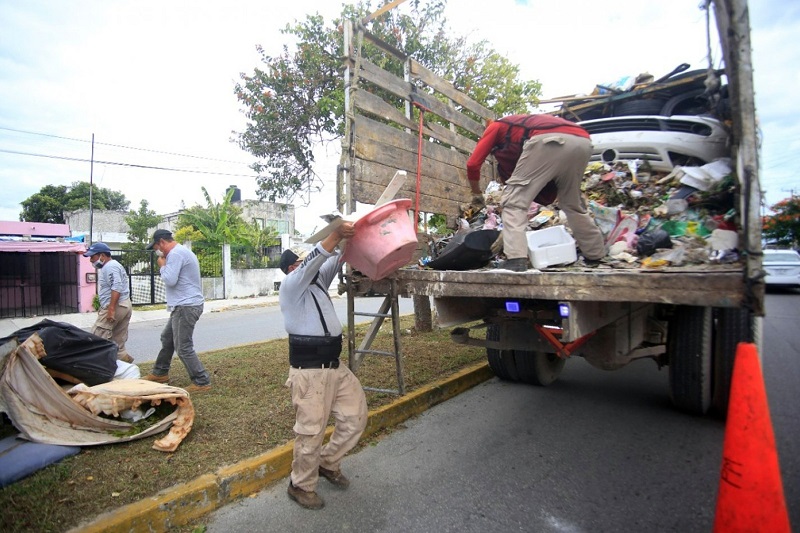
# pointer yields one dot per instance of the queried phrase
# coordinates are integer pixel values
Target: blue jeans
(177, 334)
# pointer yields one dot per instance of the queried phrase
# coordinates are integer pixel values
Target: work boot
(309, 500)
(336, 477)
(157, 378)
(519, 264)
(197, 388)
(591, 263)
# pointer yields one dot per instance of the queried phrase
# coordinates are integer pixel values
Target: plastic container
(384, 241)
(551, 246)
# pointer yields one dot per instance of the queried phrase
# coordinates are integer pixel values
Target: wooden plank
(706, 288)
(397, 139)
(368, 102)
(446, 88)
(439, 179)
(381, 11)
(399, 87)
(448, 113)
(379, 150)
(434, 198)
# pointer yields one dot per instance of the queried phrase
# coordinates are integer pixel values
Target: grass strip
(247, 413)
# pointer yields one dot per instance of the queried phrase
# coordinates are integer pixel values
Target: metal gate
(145, 280)
(38, 283)
(143, 276)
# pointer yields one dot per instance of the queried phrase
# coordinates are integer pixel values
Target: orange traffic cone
(750, 494)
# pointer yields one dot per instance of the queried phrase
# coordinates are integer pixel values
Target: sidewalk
(86, 320)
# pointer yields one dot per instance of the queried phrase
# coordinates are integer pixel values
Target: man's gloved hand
(477, 201)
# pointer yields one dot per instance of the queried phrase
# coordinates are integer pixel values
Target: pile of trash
(648, 218)
(62, 386)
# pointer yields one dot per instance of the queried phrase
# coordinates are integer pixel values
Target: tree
(222, 223)
(139, 224)
(52, 201)
(216, 224)
(783, 227)
(295, 100)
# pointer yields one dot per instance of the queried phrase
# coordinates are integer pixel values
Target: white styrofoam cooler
(551, 246)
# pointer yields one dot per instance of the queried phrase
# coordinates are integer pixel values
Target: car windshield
(783, 257)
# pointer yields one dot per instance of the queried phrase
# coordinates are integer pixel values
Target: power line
(132, 165)
(122, 146)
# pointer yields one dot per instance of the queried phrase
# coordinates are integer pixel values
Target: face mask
(159, 253)
(98, 264)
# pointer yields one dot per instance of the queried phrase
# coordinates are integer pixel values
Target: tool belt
(309, 351)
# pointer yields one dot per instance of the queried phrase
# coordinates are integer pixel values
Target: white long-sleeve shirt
(298, 290)
(181, 276)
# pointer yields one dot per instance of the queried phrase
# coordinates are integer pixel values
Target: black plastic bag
(466, 251)
(70, 350)
(652, 240)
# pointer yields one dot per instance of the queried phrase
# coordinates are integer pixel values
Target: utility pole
(91, 186)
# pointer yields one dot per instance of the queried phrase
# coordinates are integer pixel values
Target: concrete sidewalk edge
(183, 504)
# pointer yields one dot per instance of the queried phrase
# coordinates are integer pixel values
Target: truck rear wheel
(731, 326)
(539, 368)
(502, 362)
(534, 368)
(689, 354)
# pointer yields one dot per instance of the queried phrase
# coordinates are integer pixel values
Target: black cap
(158, 235)
(290, 257)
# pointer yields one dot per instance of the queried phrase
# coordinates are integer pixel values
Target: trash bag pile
(648, 218)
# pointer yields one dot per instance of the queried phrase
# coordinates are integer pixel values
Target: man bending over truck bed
(539, 157)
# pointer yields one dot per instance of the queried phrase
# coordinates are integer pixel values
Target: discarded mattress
(20, 458)
(466, 251)
(68, 349)
(42, 412)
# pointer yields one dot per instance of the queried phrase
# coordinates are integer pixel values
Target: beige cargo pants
(116, 330)
(316, 395)
(550, 157)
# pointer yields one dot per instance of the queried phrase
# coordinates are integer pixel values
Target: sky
(153, 82)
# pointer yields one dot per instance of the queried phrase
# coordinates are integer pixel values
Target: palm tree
(217, 224)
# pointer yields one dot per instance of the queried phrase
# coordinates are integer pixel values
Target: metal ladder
(388, 309)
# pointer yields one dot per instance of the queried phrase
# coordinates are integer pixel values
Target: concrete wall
(248, 282)
(253, 282)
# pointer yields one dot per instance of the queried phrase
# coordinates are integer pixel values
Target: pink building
(41, 273)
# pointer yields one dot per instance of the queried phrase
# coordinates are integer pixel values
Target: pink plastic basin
(384, 241)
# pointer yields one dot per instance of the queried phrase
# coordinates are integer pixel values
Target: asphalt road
(215, 331)
(595, 452)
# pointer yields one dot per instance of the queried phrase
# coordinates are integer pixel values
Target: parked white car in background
(782, 268)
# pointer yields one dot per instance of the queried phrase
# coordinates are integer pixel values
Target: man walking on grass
(180, 272)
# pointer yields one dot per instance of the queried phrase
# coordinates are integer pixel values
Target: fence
(146, 285)
(38, 284)
(246, 258)
(41, 284)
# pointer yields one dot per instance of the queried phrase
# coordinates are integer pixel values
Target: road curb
(186, 503)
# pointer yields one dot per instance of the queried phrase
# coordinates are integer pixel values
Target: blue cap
(97, 248)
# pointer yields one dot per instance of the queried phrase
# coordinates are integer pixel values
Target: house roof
(34, 229)
(41, 246)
